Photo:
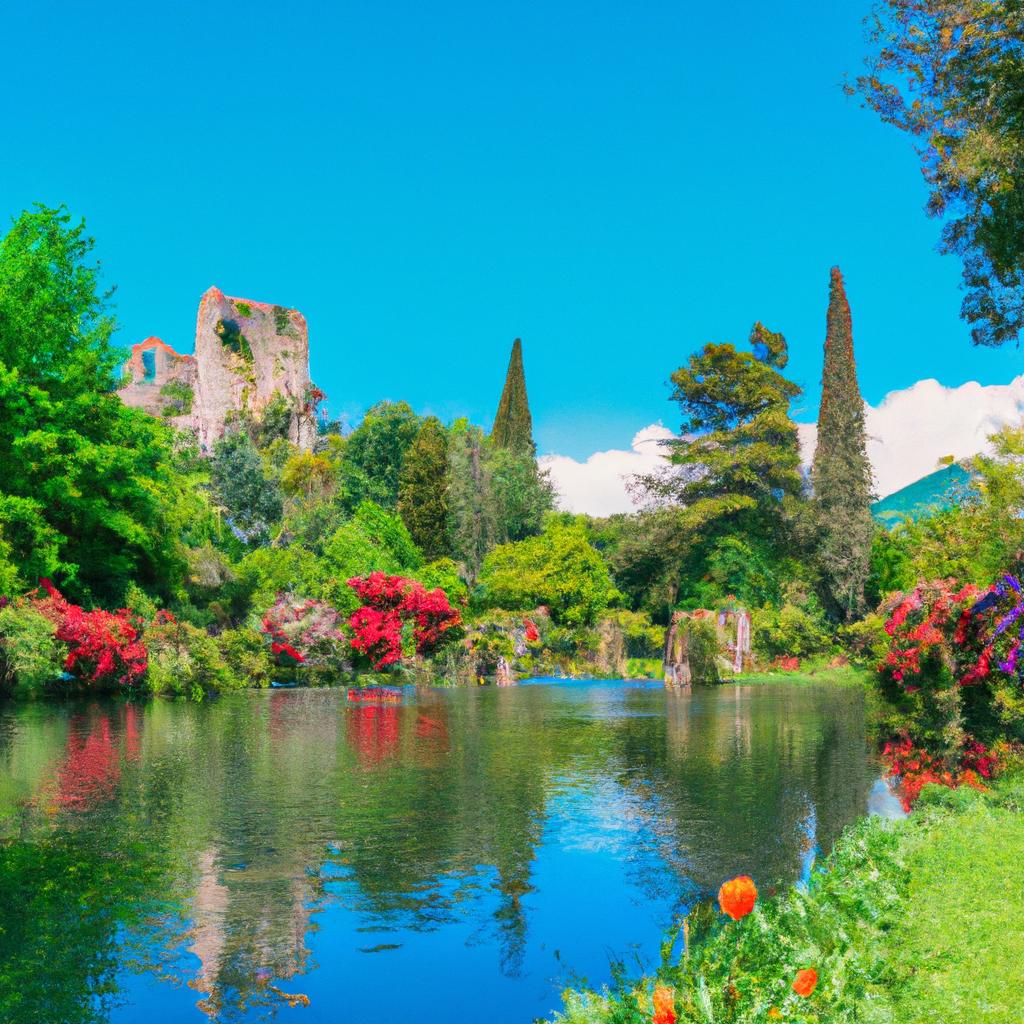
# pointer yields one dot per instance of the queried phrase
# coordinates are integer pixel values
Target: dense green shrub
(865, 641)
(643, 639)
(444, 573)
(559, 570)
(792, 631)
(247, 655)
(30, 655)
(184, 659)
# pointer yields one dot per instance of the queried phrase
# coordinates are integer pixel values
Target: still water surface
(459, 857)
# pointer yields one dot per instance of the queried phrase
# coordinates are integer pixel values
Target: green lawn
(848, 675)
(958, 950)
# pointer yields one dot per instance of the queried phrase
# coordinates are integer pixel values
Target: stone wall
(247, 353)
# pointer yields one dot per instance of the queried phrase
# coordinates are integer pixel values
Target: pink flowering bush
(305, 632)
(954, 677)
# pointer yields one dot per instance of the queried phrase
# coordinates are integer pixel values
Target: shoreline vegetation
(905, 922)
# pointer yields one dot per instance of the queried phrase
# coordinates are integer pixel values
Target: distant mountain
(942, 489)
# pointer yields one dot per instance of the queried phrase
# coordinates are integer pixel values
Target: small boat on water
(375, 695)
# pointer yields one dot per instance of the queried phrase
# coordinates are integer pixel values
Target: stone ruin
(702, 644)
(247, 354)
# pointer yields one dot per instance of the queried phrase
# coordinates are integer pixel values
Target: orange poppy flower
(806, 982)
(664, 1005)
(774, 1013)
(737, 897)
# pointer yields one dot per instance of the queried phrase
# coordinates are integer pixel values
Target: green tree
(374, 451)
(88, 486)
(951, 76)
(522, 494)
(423, 490)
(253, 503)
(472, 517)
(560, 569)
(513, 425)
(841, 473)
(735, 468)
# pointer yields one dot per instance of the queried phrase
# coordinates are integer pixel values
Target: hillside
(938, 490)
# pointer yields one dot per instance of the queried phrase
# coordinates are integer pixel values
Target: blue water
(462, 856)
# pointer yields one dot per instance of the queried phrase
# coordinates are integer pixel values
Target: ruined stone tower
(247, 354)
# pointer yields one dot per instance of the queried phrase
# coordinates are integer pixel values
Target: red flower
(388, 603)
(737, 897)
(806, 982)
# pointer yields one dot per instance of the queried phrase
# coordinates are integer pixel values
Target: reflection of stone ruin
(702, 644)
(247, 355)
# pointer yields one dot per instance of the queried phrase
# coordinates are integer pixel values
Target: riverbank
(907, 922)
(826, 675)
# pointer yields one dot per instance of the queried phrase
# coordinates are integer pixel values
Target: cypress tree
(841, 473)
(513, 425)
(423, 490)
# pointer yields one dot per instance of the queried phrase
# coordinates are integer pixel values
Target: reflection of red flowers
(737, 897)
(92, 765)
(664, 1005)
(806, 982)
(373, 731)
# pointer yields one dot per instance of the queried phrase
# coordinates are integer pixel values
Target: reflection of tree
(243, 815)
(741, 771)
(71, 887)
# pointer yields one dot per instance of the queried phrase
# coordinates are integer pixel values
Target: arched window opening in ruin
(149, 365)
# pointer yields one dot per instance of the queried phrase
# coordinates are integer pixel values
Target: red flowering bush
(931, 629)
(305, 632)
(399, 617)
(953, 673)
(104, 648)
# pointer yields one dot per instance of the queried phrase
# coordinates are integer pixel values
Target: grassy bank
(957, 953)
(846, 675)
(906, 922)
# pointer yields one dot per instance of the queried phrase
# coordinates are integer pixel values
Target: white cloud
(912, 429)
(907, 435)
(598, 486)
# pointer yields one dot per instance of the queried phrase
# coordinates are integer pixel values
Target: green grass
(847, 675)
(958, 950)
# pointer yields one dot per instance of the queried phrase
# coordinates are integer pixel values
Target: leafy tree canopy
(951, 75)
(374, 452)
(559, 569)
(423, 490)
(88, 489)
(240, 485)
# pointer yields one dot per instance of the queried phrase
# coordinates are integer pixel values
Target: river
(460, 856)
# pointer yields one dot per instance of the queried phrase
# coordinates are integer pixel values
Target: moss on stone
(179, 397)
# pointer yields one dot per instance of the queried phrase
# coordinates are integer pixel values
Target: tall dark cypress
(841, 473)
(513, 425)
(423, 490)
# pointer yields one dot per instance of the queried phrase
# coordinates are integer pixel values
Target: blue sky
(615, 183)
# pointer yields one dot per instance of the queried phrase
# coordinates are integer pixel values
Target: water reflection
(224, 861)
